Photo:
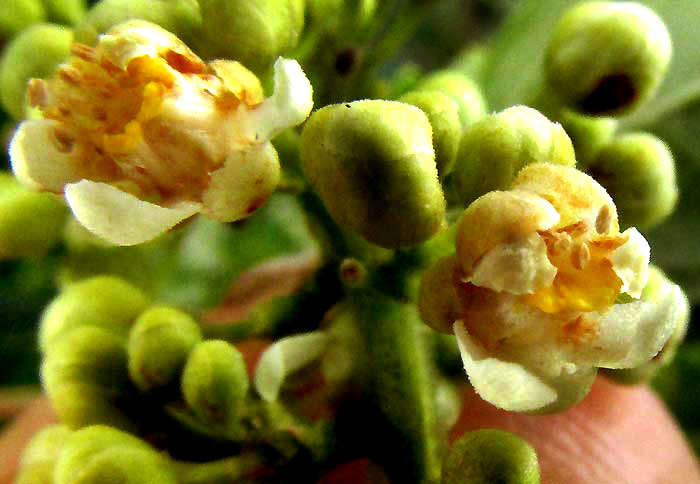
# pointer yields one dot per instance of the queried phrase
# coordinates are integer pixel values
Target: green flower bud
(215, 383)
(588, 134)
(437, 299)
(35, 52)
(443, 114)
(254, 32)
(158, 346)
(496, 148)
(462, 90)
(342, 17)
(40, 456)
(638, 171)
(103, 301)
(30, 223)
(607, 57)
(68, 12)
(372, 163)
(17, 15)
(489, 455)
(99, 454)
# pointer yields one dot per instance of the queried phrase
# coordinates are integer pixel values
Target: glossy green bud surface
(462, 90)
(68, 12)
(17, 15)
(496, 148)
(372, 163)
(607, 57)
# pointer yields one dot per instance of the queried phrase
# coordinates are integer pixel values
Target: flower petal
(120, 217)
(505, 384)
(631, 263)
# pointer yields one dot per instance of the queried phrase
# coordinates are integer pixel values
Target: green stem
(231, 470)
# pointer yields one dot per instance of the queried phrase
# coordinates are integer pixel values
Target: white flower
(139, 133)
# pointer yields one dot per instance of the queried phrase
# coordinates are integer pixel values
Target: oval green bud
(588, 134)
(254, 32)
(103, 301)
(159, 344)
(488, 456)
(35, 52)
(215, 382)
(607, 57)
(30, 223)
(437, 299)
(494, 149)
(373, 165)
(443, 114)
(68, 12)
(462, 90)
(40, 456)
(99, 454)
(17, 15)
(638, 171)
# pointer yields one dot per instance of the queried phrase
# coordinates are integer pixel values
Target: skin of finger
(616, 435)
(17, 434)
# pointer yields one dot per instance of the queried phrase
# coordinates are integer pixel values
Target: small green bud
(215, 382)
(494, 149)
(342, 16)
(462, 90)
(40, 456)
(17, 15)
(638, 171)
(437, 299)
(35, 52)
(102, 301)
(372, 163)
(588, 134)
(68, 12)
(99, 454)
(254, 32)
(443, 114)
(159, 343)
(607, 57)
(30, 223)
(488, 456)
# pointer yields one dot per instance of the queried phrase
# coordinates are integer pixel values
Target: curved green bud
(607, 57)
(342, 16)
(30, 223)
(68, 12)
(462, 90)
(443, 114)
(181, 17)
(494, 149)
(39, 457)
(100, 454)
(17, 15)
(588, 134)
(253, 32)
(373, 165)
(437, 298)
(488, 456)
(215, 382)
(102, 301)
(638, 171)
(35, 52)
(159, 344)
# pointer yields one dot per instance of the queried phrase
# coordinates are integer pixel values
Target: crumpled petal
(631, 263)
(120, 217)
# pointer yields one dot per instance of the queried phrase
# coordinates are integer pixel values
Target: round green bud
(443, 114)
(493, 150)
(462, 90)
(373, 165)
(215, 382)
(488, 456)
(158, 346)
(254, 32)
(102, 301)
(40, 456)
(607, 57)
(17, 15)
(68, 12)
(638, 171)
(30, 223)
(588, 134)
(99, 454)
(35, 52)
(437, 298)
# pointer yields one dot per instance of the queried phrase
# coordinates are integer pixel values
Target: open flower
(139, 133)
(537, 280)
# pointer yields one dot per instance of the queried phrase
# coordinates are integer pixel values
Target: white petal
(289, 105)
(120, 217)
(284, 357)
(505, 384)
(631, 262)
(135, 38)
(37, 160)
(243, 184)
(520, 267)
